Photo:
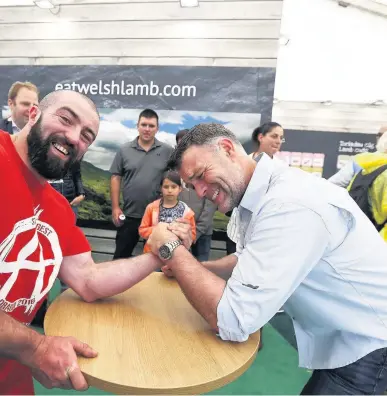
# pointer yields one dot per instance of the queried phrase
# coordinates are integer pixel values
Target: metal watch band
(173, 245)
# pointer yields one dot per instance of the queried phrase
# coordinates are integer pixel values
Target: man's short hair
(199, 135)
(54, 96)
(149, 113)
(18, 85)
(181, 134)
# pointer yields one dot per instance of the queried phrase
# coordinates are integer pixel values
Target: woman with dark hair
(268, 138)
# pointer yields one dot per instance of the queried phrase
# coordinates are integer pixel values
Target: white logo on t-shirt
(24, 262)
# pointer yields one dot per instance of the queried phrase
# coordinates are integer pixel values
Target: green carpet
(275, 371)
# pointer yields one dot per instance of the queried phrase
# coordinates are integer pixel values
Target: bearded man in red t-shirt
(39, 241)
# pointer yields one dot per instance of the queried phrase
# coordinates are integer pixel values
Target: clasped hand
(164, 232)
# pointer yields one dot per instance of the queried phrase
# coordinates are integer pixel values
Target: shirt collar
(259, 183)
(15, 128)
(135, 144)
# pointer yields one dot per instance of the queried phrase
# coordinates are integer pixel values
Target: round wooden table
(149, 341)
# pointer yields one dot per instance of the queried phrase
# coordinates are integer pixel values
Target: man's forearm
(115, 188)
(202, 288)
(17, 341)
(222, 267)
(110, 278)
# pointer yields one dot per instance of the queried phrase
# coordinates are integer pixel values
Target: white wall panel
(218, 10)
(258, 29)
(140, 48)
(338, 117)
(142, 61)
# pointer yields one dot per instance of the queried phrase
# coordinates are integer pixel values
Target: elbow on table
(232, 331)
(234, 336)
(233, 323)
(88, 294)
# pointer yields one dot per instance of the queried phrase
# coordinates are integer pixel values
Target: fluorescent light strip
(46, 4)
(189, 3)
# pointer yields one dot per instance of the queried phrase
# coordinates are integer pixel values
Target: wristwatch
(166, 250)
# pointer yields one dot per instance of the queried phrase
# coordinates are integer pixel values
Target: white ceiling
(341, 58)
(16, 3)
(365, 4)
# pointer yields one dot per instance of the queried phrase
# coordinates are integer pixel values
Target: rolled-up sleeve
(287, 241)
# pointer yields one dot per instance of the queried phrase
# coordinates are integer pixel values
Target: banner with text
(323, 153)
(239, 98)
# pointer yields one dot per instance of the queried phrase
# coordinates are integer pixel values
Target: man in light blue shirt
(304, 245)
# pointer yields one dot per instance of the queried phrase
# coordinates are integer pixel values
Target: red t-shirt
(37, 229)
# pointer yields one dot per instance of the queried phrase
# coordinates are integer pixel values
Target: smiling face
(272, 141)
(216, 172)
(62, 135)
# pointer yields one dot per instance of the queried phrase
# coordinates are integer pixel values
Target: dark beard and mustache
(49, 167)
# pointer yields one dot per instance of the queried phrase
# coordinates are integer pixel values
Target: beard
(46, 165)
(233, 190)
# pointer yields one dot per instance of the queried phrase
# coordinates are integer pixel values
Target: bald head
(53, 97)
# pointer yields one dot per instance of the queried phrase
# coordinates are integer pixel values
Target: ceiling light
(189, 3)
(46, 4)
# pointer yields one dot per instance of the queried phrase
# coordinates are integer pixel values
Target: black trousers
(127, 238)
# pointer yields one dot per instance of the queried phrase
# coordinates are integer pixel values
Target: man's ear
(227, 146)
(34, 115)
(10, 103)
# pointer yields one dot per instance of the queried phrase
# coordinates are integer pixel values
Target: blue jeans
(366, 376)
(201, 248)
(75, 210)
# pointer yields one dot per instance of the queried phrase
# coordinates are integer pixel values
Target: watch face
(164, 252)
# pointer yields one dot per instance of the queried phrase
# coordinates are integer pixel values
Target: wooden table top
(150, 341)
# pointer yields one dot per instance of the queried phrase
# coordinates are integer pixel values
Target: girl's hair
(264, 129)
(173, 176)
(381, 145)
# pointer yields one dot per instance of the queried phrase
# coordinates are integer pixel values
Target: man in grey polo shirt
(139, 166)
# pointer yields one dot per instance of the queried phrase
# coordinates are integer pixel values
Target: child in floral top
(167, 209)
